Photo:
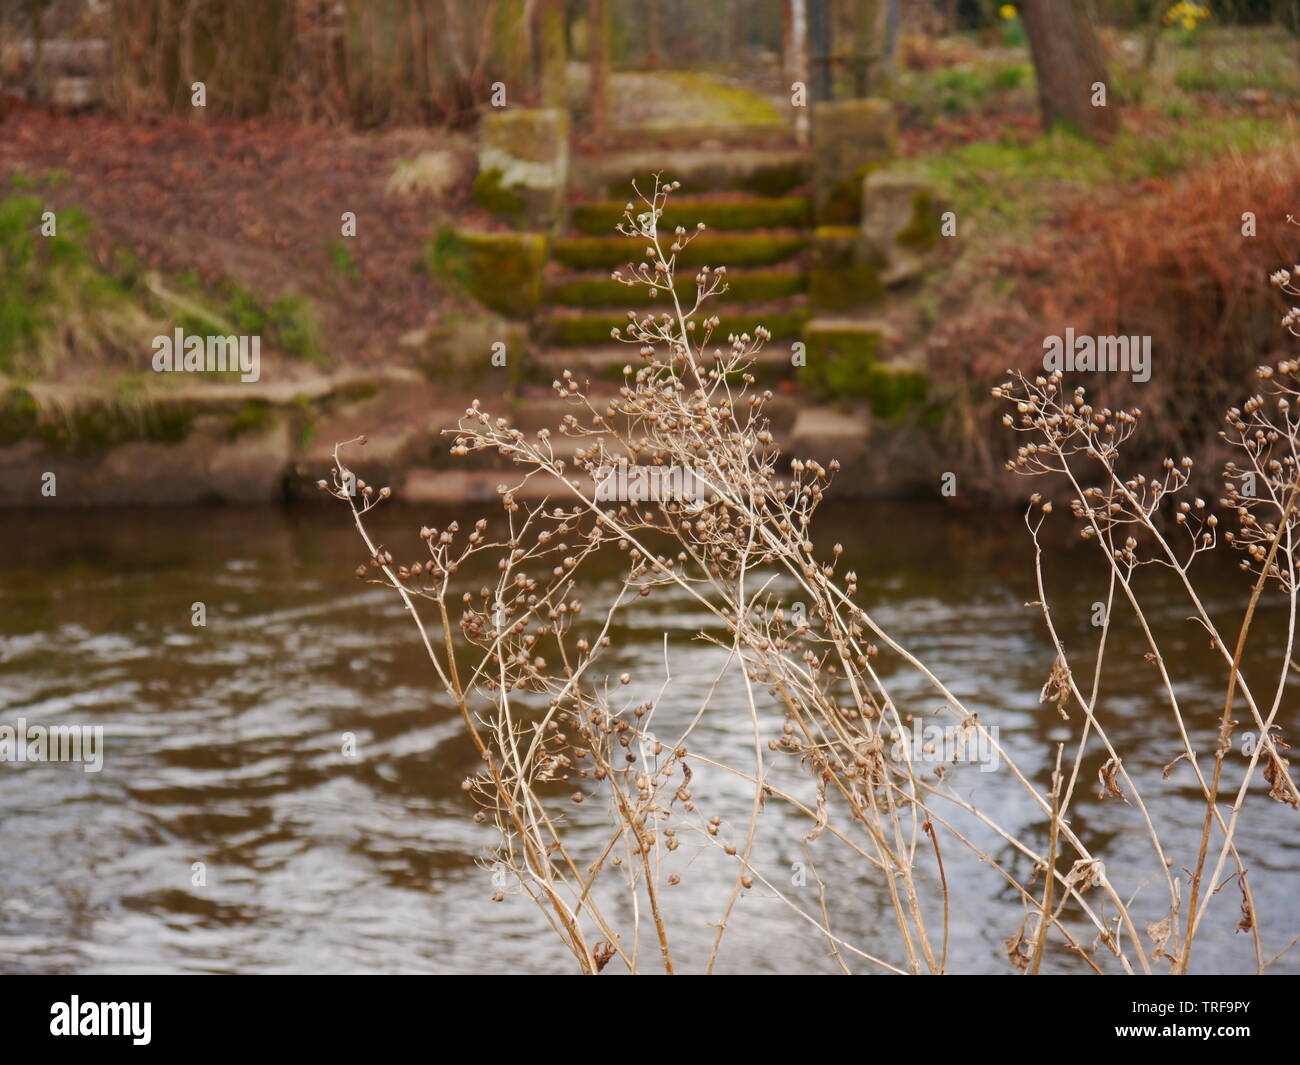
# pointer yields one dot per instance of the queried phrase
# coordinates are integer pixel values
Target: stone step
(543, 409)
(605, 363)
(590, 289)
(671, 137)
(599, 218)
(762, 171)
(729, 250)
(859, 359)
(784, 321)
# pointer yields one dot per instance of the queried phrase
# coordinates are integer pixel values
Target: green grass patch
(1010, 188)
(344, 263)
(49, 280)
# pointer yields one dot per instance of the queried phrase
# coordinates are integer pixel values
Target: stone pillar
(863, 34)
(524, 165)
(851, 138)
(902, 222)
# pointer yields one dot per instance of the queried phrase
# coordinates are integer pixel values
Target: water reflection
(224, 747)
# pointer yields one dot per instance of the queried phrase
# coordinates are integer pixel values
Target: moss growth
(598, 219)
(844, 273)
(750, 249)
(252, 416)
(590, 329)
(103, 423)
(741, 288)
(842, 202)
(840, 360)
(18, 415)
(776, 179)
(894, 389)
(445, 257)
(492, 195)
(922, 230)
(502, 271)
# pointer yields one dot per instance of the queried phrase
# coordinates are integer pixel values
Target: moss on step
(502, 271)
(775, 177)
(845, 273)
(839, 359)
(751, 249)
(922, 230)
(895, 389)
(570, 330)
(741, 288)
(491, 195)
(598, 219)
(851, 138)
(523, 164)
(843, 361)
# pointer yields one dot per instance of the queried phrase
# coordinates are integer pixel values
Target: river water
(223, 747)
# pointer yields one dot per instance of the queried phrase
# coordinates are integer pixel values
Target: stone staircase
(799, 262)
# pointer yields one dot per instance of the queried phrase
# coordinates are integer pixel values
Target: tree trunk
(1070, 66)
(799, 53)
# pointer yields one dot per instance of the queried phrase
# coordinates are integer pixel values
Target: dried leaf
(1281, 789)
(1107, 775)
(1085, 873)
(602, 953)
(1057, 688)
(1247, 921)
(1018, 950)
(1159, 932)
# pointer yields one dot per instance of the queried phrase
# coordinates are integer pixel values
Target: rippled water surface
(223, 746)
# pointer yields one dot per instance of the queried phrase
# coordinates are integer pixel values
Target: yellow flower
(1185, 14)
(1007, 11)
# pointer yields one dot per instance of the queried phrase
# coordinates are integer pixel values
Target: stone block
(844, 271)
(901, 223)
(851, 138)
(524, 165)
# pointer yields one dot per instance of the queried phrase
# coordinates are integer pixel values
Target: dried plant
(525, 663)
